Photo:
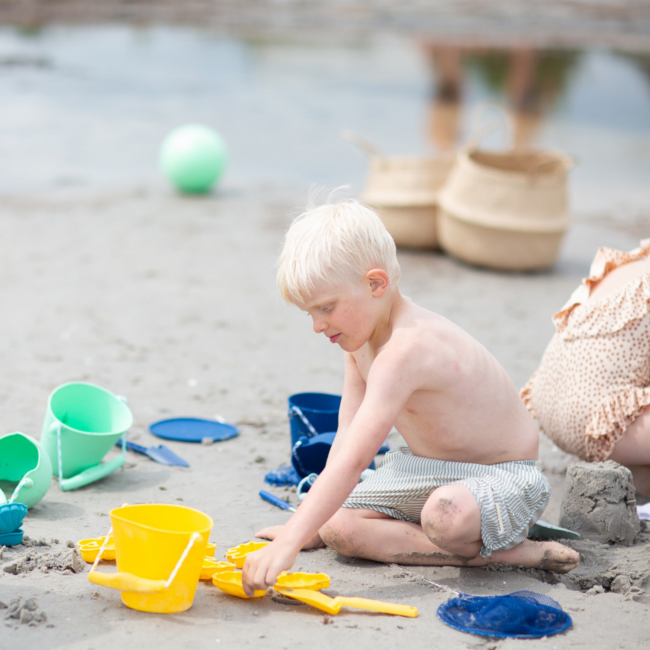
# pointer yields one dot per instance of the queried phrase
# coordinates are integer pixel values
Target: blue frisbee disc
(193, 429)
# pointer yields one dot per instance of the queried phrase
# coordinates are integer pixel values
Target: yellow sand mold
(211, 566)
(90, 547)
(237, 555)
(231, 582)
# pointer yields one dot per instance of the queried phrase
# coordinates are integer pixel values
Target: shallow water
(85, 109)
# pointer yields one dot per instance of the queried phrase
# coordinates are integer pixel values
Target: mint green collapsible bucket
(81, 424)
(25, 470)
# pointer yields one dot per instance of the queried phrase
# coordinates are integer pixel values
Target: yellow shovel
(333, 605)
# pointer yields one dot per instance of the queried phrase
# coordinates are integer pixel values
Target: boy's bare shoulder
(417, 329)
(419, 345)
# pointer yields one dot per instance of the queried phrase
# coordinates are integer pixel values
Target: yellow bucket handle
(123, 581)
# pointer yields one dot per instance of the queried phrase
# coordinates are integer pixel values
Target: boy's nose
(319, 326)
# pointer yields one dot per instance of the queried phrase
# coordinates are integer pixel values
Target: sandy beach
(107, 276)
(171, 303)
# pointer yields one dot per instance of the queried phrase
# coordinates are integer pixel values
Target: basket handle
(369, 147)
(481, 128)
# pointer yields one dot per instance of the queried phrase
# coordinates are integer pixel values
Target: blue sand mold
(192, 429)
(283, 476)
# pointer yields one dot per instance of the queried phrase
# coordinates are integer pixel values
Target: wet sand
(171, 302)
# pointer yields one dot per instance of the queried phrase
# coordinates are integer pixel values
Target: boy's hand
(262, 568)
(273, 531)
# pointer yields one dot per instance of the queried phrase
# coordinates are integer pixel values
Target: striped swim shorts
(511, 496)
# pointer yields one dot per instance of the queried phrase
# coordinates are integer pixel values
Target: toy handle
(24, 483)
(280, 503)
(379, 606)
(295, 411)
(91, 474)
(123, 581)
(132, 446)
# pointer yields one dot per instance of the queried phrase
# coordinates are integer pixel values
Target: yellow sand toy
(237, 555)
(211, 566)
(333, 605)
(231, 582)
(89, 548)
(159, 552)
(306, 588)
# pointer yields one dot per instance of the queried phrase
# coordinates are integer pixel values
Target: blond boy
(468, 486)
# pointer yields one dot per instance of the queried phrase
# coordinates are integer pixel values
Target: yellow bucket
(159, 552)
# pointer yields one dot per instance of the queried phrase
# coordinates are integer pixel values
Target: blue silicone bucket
(320, 410)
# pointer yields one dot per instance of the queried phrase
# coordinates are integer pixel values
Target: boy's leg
(450, 535)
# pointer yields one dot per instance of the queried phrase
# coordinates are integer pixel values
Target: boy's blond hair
(334, 245)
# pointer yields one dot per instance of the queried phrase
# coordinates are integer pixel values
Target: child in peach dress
(591, 392)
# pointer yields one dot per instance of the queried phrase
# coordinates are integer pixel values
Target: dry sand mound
(66, 561)
(24, 612)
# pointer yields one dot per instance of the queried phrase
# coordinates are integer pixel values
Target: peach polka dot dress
(594, 378)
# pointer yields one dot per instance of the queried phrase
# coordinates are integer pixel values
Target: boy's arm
(354, 390)
(389, 386)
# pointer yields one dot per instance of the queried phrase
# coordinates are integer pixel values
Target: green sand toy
(81, 424)
(25, 470)
(193, 157)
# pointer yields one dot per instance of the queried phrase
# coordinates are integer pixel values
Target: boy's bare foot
(550, 556)
(272, 532)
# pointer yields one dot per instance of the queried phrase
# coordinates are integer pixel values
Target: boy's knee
(449, 517)
(338, 533)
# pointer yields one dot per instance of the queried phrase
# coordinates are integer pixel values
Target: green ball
(193, 157)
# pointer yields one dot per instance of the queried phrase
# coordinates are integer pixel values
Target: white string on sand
(431, 582)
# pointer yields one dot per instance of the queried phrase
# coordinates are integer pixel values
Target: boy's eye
(326, 308)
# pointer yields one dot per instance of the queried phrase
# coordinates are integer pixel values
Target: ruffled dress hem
(611, 420)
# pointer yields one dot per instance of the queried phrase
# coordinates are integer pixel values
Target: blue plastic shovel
(160, 454)
(280, 503)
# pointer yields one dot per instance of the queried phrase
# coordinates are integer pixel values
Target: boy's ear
(378, 282)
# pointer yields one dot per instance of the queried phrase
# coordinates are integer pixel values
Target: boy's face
(346, 315)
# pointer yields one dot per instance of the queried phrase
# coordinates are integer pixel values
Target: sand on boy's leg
(450, 536)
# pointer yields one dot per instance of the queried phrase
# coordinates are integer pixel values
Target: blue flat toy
(193, 430)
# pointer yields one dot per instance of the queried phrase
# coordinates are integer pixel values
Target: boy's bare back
(462, 406)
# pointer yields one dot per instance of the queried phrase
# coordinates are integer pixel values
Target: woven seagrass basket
(505, 210)
(404, 190)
